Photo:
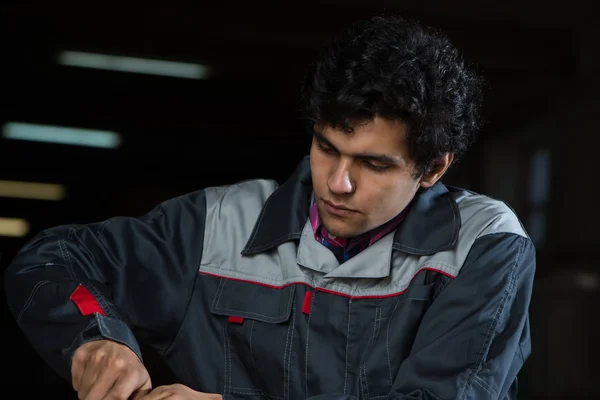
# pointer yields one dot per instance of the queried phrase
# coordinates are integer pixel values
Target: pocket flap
(418, 292)
(253, 301)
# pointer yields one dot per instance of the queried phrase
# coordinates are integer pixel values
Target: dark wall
(180, 135)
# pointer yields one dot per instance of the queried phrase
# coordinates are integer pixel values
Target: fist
(105, 369)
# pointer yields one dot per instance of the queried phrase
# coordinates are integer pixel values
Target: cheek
(373, 196)
(383, 198)
(319, 161)
(318, 171)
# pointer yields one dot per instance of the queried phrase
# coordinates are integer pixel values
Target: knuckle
(79, 356)
(138, 372)
(130, 375)
(98, 356)
(117, 363)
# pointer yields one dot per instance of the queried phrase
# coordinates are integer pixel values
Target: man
(362, 276)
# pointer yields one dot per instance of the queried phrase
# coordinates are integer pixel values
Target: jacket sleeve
(474, 338)
(124, 279)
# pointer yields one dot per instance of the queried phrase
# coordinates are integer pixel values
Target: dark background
(540, 61)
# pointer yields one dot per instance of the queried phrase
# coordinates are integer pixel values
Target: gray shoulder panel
(482, 215)
(231, 212)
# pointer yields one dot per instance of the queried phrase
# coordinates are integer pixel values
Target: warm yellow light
(13, 227)
(32, 190)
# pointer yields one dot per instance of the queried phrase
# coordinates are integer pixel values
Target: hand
(104, 369)
(179, 392)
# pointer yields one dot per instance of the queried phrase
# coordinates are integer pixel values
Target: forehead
(382, 136)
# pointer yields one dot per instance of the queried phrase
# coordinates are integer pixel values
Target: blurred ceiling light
(13, 227)
(587, 280)
(32, 190)
(61, 135)
(133, 64)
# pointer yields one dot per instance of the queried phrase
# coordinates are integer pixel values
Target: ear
(440, 166)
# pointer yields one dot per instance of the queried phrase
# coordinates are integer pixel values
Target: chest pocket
(255, 330)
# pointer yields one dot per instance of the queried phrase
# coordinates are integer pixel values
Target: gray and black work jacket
(230, 287)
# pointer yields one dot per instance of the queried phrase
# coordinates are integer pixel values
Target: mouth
(338, 209)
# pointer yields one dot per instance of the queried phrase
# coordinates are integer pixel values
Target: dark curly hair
(397, 69)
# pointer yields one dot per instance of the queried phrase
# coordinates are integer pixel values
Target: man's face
(363, 179)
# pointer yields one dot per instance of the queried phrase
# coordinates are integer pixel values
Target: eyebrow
(381, 158)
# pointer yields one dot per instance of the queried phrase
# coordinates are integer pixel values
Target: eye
(325, 149)
(376, 168)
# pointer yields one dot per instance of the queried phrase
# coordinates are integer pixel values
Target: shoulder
(492, 238)
(217, 201)
(483, 215)
(250, 194)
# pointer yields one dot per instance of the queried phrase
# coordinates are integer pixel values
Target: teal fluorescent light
(61, 135)
(133, 64)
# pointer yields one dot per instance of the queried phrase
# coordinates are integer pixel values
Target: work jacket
(230, 287)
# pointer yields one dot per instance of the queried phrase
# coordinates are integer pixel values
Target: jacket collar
(430, 226)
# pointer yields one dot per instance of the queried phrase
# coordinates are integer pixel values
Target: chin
(339, 229)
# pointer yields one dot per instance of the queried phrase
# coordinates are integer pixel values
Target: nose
(339, 180)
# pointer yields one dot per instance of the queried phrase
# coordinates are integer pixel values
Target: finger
(88, 379)
(77, 368)
(159, 393)
(130, 386)
(141, 394)
(213, 396)
(101, 386)
(79, 363)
